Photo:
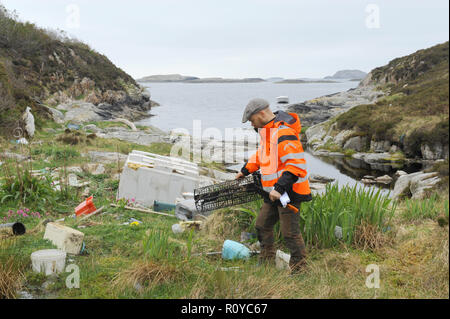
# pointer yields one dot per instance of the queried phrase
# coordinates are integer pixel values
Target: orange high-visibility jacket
(280, 158)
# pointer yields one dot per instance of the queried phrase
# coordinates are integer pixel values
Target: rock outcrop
(414, 185)
(393, 120)
(325, 107)
(43, 70)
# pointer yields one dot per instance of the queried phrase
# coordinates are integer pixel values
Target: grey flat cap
(254, 106)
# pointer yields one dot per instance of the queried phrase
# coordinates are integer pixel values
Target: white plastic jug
(48, 261)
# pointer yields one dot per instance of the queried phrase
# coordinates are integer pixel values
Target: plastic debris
(338, 232)
(23, 141)
(282, 260)
(247, 236)
(186, 210)
(161, 207)
(73, 126)
(48, 261)
(177, 229)
(16, 228)
(183, 225)
(65, 238)
(133, 220)
(86, 207)
(234, 250)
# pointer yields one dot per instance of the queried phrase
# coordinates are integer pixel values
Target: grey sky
(244, 38)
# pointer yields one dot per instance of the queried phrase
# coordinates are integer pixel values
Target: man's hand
(239, 175)
(274, 195)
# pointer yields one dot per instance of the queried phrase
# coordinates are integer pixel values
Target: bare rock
(106, 157)
(341, 137)
(385, 179)
(437, 151)
(79, 112)
(380, 146)
(126, 122)
(419, 184)
(415, 184)
(316, 132)
(138, 137)
(91, 127)
(57, 116)
(357, 143)
(315, 178)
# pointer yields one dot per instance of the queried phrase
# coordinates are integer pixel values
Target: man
(281, 160)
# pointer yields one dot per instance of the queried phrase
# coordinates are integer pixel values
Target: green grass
(427, 208)
(118, 255)
(164, 265)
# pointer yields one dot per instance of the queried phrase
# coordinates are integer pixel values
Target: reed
(348, 208)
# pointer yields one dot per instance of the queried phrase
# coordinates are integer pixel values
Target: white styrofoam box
(165, 163)
(147, 177)
(165, 160)
(48, 261)
(65, 238)
(146, 185)
(162, 157)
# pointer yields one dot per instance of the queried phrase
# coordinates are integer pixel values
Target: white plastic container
(48, 261)
(282, 260)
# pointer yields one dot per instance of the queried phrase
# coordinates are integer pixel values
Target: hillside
(41, 66)
(411, 118)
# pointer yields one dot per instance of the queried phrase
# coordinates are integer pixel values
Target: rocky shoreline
(83, 102)
(320, 109)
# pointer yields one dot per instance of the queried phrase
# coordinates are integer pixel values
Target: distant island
(299, 81)
(167, 78)
(352, 75)
(348, 74)
(193, 79)
(274, 79)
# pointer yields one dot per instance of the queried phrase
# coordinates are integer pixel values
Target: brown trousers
(269, 215)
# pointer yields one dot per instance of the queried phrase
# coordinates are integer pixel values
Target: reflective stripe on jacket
(280, 151)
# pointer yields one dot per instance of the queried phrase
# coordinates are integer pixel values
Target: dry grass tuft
(10, 279)
(259, 283)
(74, 137)
(368, 236)
(437, 271)
(417, 265)
(145, 274)
(221, 225)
